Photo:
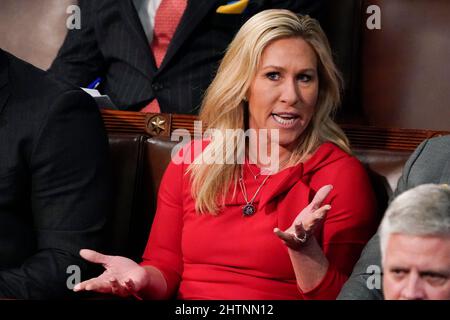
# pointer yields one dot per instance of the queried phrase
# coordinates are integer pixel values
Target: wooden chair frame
(365, 137)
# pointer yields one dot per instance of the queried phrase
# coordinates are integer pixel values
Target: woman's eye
(304, 77)
(273, 75)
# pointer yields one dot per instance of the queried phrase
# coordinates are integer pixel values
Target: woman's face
(284, 92)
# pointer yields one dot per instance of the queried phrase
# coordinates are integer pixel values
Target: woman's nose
(290, 92)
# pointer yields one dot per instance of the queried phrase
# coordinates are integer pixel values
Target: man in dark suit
(430, 163)
(112, 44)
(54, 181)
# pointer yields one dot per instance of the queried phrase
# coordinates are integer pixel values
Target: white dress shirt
(146, 10)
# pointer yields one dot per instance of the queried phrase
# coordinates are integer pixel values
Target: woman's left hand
(306, 221)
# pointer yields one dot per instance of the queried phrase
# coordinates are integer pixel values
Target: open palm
(122, 276)
(306, 221)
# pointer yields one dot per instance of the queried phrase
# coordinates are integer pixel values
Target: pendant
(248, 209)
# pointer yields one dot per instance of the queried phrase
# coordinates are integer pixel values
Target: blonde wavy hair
(224, 106)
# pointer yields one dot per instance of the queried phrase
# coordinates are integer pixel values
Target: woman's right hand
(122, 277)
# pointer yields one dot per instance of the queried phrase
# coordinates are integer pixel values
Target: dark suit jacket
(430, 163)
(112, 44)
(54, 181)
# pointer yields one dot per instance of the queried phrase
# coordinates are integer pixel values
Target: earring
(245, 99)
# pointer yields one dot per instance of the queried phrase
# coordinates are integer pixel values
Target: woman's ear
(247, 94)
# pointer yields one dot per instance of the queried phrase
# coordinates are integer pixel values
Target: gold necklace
(249, 209)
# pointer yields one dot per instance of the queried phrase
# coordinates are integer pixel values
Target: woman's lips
(285, 120)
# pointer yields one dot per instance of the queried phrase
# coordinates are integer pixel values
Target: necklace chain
(249, 209)
(255, 176)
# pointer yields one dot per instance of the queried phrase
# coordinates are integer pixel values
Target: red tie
(167, 19)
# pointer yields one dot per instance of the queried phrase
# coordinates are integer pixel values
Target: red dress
(231, 256)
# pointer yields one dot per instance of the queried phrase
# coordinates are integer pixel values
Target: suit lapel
(196, 10)
(4, 92)
(129, 14)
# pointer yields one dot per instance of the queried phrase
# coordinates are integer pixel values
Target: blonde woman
(244, 230)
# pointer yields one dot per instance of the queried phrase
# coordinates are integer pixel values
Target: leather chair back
(127, 155)
(138, 164)
(384, 168)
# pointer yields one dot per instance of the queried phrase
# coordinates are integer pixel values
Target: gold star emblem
(158, 124)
